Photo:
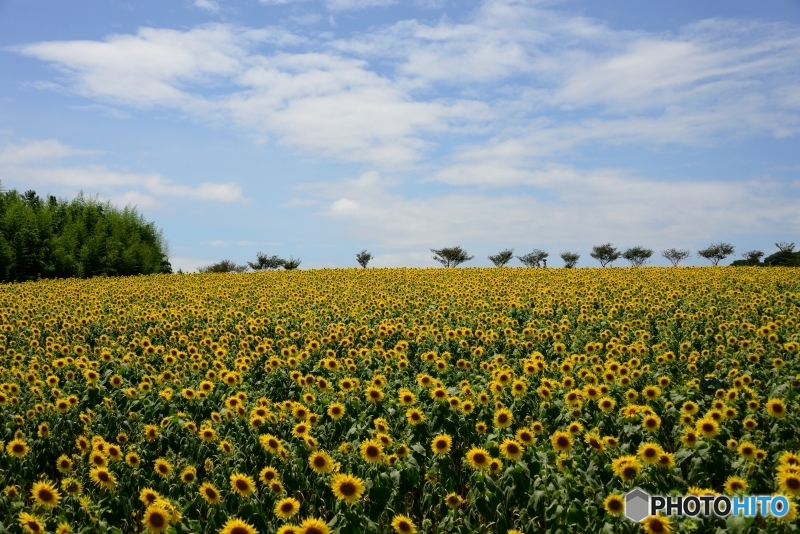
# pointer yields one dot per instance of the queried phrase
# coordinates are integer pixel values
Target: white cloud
(208, 5)
(342, 5)
(567, 206)
(35, 151)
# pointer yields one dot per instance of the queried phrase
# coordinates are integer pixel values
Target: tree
(570, 259)
(265, 262)
(503, 257)
(753, 257)
(675, 256)
(638, 256)
(605, 254)
(52, 238)
(291, 264)
(363, 258)
(785, 257)
(451, 256)
(533, 258)
(224, 266)
(716, 252)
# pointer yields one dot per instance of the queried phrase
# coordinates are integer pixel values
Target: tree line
(606, 254)
(56, 238)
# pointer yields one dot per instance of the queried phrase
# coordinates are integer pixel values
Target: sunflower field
(397, 400)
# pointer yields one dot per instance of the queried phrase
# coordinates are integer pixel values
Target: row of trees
(607, 254)
(263, 263)
(56, 238)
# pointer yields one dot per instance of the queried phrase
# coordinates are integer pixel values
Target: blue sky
(320, 128)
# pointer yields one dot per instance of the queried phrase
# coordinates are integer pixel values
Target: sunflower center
(479, 458)
(404, 526)
(372, 451)
(287, 507)
(18, 448)
(793, 483)
(242, 485)
(157, 520)
(45, 495)
(347, 488)
(239, 530)
(103, 476)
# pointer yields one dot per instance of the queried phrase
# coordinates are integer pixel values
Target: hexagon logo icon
(637, 504)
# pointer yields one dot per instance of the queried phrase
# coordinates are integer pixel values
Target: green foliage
(363, 258)
(675, 255)
(265, 262)
(716, 253)
(224, 266)
(55, 238)
(605, 254)
(570, 259)
(291, 264)
(503, 257)
(638, 256)
(534, 258)
(451, 256)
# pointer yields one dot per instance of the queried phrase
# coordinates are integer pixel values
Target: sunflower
(453, 500)
(288, 529)
(209, 493)
(503, 418)
(511, 449)
(371, 451)
(650, 452)
(561, 441)
(336, 410)
(606, 404)
(651, 422)
(614, 504)
(148, 496)
(64, 464)
(17, 448)
(103, 478)
(156, 518)
(525, 436)
(45, 494)
(478, 458)
(734, 485)
(163, 467)
(268, 474)
(242, 484)
(321, 462)
(666, 460)
(441, 444)
(626, 467)
(776, 408)
(286, 508)
(63, 528)
(789, 483)
(312, 525)
(414, 416)
(234, 525)
(189, 475)
(657, 524)
(347, 488)
(31, 523)
(133, 459)
(707, 427)
(403, 525)
(71, 486)
(690, 438)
